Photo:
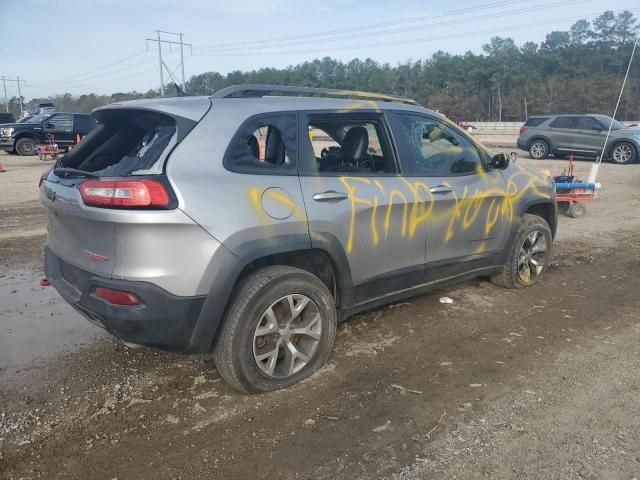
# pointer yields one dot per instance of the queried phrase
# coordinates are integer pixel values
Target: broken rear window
(127, 142)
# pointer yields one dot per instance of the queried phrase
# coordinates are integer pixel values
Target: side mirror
(501, 161)
(48, 125)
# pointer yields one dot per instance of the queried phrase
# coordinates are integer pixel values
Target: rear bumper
(522, 145)
(162, 320)
(7, 143)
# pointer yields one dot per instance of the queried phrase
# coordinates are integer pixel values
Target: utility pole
(160, 59)
(526, 115)
(6, 100)
(20, 95)
(159, 40)
(6, 79)
(184, 89)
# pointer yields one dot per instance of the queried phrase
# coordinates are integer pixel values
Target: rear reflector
(522, 130)
(124, 193)
(117, 297)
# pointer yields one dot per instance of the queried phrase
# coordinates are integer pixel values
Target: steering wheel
(329, 151)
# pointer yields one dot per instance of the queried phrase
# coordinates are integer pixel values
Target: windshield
(39, 118)
(615, 125)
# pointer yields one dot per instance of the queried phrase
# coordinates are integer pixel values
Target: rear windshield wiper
(73, 173)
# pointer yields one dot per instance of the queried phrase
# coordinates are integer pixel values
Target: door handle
(440, 189)
(330, 196)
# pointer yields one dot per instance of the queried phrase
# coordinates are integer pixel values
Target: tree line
(579, 70)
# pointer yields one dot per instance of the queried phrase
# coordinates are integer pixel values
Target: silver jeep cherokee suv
(248, 224)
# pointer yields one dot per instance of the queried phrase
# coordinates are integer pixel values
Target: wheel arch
(539, 136)
(617, 142)
(545, 209)
(325, 259)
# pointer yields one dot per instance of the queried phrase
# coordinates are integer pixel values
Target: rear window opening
(125, 142)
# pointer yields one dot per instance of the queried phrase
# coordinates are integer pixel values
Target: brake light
(124, 193)
(44, 175)
(117, 297)
(522, 130)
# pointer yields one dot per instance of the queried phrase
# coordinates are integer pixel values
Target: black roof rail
(258, 90)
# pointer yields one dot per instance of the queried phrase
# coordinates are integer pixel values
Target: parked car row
(579, 135)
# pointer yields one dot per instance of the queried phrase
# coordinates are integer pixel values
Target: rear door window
(264, 144)
(563, 122)
(60, 122)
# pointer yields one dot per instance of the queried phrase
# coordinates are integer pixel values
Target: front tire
(529, 255)
(623, 153)
(539, 149)
(279, 329)
(25, 147)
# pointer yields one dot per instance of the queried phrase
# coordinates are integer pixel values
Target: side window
(83, 123)
(265, 144)
(431, 148)
(588, 123)
(342, 144)
(535, 121)
(563, 122)
(60, 122)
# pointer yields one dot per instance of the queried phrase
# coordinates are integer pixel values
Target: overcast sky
(99, 46)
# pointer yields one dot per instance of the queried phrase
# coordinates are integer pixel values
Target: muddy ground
(538, 383)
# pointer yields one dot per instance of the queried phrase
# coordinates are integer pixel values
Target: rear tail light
(44, 175)
(124, 193)
(522, 130)
(117, 297)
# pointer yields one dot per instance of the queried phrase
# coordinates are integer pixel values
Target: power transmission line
(407, 42)
(80, 75)
(413, 28)
(262, 42)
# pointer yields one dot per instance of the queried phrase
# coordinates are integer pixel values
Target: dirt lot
(540, 383)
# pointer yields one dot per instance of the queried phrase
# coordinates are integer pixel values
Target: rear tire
(25, 147)
(539, 149)
(258, 349)
(529, 255)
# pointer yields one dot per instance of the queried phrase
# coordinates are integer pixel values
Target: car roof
(195, 107)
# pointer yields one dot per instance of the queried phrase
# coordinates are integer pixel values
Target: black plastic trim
(162, 320)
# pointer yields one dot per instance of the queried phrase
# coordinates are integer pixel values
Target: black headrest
(252, 143)
(355, 143)
(274, 152)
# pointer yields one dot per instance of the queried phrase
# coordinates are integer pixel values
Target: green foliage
(576, 71)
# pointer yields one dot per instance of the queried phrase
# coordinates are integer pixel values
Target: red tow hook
(44, 282)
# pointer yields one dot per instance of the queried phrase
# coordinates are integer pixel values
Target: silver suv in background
(579, 135)
(248, 224)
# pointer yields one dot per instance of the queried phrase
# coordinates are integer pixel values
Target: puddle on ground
(35, 322)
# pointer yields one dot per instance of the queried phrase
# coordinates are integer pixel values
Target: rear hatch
(115, 175)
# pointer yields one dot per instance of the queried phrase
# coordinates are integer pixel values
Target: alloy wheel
(622, 153)
(531, 258)
(538, 150)
(287, 336)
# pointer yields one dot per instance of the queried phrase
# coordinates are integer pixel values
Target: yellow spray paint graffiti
(494, 200)
(418, 206)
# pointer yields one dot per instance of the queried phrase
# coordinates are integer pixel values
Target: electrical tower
(159, 40)
(17, 80)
